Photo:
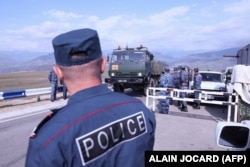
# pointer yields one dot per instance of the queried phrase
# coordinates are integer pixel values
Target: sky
(190, 25)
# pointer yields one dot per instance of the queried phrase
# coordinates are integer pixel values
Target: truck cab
(132, 68)
(213, 81)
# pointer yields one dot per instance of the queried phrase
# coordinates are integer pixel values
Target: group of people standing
(179, 79)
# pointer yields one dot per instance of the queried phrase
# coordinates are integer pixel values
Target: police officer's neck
(78, 86)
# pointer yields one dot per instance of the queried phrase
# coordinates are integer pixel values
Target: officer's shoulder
(44, 121)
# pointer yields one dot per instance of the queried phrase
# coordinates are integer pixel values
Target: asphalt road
(177, 130)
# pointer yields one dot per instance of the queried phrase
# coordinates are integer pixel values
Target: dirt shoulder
(25, 102)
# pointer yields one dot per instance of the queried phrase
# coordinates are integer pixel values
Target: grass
(26, 80)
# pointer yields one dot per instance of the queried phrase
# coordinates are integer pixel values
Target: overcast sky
(189, 25)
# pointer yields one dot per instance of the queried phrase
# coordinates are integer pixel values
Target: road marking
(23, 116)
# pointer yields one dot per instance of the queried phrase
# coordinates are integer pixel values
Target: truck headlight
(112, 74)
(139, 74)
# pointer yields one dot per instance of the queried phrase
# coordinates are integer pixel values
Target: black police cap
(81, 40)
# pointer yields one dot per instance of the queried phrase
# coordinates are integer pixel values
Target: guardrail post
(229, 108)
(153, 100)
(38, 98)
(147, 97)
(236, 108)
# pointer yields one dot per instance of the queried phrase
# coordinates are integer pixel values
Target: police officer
(166, 81)
(197, 87)
(54, 84)
(176, 80)
(64, 89)
(184, 86)
(97, 127)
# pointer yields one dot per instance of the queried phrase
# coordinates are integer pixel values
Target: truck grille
(131, 74)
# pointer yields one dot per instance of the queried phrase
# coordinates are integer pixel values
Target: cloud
(178, 28)
(32, 38)
(238, 7)
(167, 16)
(62, 15)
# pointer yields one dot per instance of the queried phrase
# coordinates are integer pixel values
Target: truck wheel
(118, 88)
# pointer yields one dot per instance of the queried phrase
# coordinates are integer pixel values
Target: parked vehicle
(212, 81)
(133, 68)
(234, 136)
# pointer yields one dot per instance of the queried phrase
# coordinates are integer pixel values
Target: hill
(209, 60)
(15, 62)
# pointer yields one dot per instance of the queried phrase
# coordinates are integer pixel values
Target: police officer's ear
(58, 72)
(103, 64)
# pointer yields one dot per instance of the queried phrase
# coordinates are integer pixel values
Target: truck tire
(118, 88)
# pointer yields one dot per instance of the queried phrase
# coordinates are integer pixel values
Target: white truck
(212, 81)
(236, 135)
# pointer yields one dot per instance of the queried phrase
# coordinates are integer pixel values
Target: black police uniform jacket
(98, 127)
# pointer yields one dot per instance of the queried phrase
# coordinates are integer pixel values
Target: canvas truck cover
(157, 67)
(241, 81)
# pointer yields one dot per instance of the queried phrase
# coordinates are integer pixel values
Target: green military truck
(133, 68)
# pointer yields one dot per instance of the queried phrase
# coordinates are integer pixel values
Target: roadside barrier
(11, 94)
(230, 100)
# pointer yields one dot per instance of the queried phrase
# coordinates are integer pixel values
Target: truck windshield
(128, 56)
(211, 77)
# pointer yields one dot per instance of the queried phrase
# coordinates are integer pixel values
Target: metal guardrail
(175, 95)
(11, 94)
(24, 93)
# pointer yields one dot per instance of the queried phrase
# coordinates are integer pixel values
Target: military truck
(133, 68)
(236, 135)
(242, 56)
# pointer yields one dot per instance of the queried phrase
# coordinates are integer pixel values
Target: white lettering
(199, 158)
(129, 128)
(121, 125)
(112, 135)
(152, 158)
(102, 144)
(88, 144)
(228, 158)
(164, 158)
(94, 144)
(141, 123)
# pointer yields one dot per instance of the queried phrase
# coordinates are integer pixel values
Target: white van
(212, 81)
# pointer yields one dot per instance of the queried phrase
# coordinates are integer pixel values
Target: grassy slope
(25, 80)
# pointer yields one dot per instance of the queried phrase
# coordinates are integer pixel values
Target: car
(234, 136)
(212, 81)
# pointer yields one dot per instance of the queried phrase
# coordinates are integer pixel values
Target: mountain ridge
(214, 60)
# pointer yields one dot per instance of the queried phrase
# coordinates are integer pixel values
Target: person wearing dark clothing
(166, 80)
(97, 127)
(184, 86)
(197, 87)
(64, 89)
(176, 81)
(176, 78)
(54, 84)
